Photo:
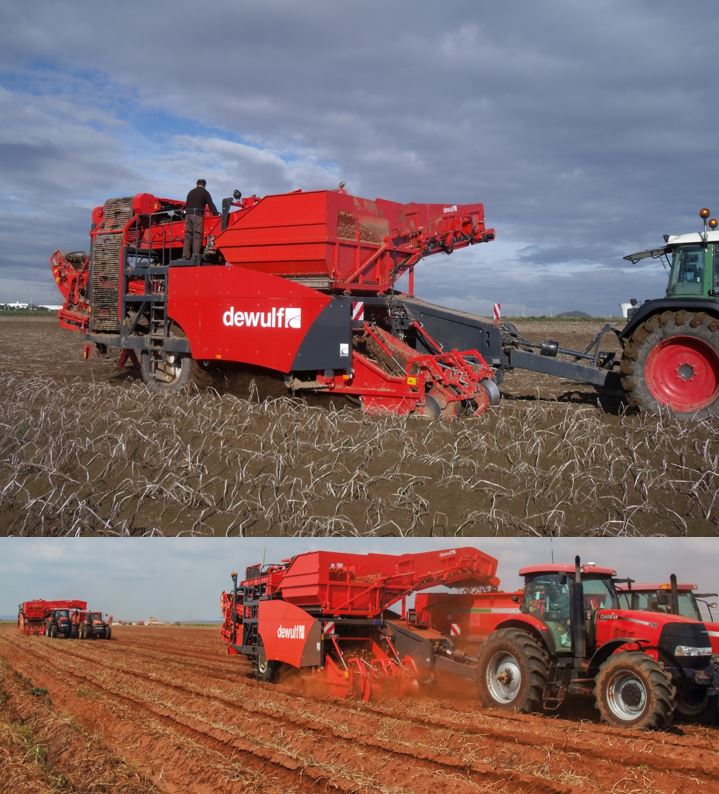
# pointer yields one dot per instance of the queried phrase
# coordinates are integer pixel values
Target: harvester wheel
(53, 631)
(170, 372)
(671, 362)
(634, 691)
(512, 671)
(431, 409)
(264, 669)
(164, 371)
(108, 633)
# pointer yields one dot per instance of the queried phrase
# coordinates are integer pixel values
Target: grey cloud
(575, 124)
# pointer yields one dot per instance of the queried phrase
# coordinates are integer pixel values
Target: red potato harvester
(327, 615)
(298, 283)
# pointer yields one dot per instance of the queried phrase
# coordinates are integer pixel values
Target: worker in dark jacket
(197, 199)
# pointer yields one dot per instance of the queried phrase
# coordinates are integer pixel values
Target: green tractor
(671, 344)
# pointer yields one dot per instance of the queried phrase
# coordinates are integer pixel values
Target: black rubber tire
(657, 329)
(695, 704)
(108, 633)
(82, 633)
(53, 631)
(629, 675)
(265, 670)
(189, 372)
(526, 656)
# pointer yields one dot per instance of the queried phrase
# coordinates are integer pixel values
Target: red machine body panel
(355, 243)
(613, 624)
(466, 617)
(366, 584)
(234, 314)
(289, 634)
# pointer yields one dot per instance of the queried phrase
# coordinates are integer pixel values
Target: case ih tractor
(36, 617)
(91, 626)
(326, 615)
(303, 284)
(571, 636)
(671, 597)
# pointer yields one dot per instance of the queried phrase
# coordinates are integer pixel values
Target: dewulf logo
(277, 317)
(291, 632)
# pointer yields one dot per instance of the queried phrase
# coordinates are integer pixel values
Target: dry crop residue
(163, 709)
(87, 449)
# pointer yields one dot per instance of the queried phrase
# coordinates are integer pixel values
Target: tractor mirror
(663, 598)
(236, 195)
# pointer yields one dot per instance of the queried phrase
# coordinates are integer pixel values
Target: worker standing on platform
(197, 199)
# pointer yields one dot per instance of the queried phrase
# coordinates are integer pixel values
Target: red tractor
(52, 618)
(89, 625)
(572, 636)
(327, 615)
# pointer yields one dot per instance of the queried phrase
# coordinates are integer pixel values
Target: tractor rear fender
(650, 307)
(532, 626)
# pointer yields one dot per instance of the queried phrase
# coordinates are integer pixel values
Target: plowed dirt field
(87, 449)
(164, 709)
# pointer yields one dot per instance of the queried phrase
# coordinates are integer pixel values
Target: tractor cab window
(598, 594)
(687, 275)
(716, 268)
(62, 613)
(95, 616)
(546, 597)
(688, 606)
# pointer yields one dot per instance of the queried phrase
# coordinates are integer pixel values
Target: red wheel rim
(683, 373)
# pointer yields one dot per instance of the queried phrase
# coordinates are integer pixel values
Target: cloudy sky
(181, 579)
(588, 130)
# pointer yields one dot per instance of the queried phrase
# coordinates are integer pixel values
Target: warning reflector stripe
(497, 312)
(454, 629)
(358, 311)
(329, 628)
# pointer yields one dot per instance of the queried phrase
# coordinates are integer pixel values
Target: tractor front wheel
(672, 361)
(512, 671)
(634, 691)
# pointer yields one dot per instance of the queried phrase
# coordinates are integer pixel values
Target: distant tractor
(572, 637)
(59, 624)
(92, 626)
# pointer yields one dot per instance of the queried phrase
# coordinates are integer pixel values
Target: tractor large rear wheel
(671, 362)
(634, 691)
(512, 671)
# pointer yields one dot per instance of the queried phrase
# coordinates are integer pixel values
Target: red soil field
(163, 709)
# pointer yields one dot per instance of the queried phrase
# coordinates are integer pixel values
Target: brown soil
(164, 709)
(86, 449)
